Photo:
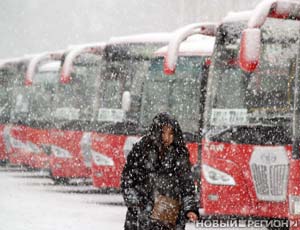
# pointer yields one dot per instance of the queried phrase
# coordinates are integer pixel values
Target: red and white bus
(30, 115)
(251, 147)
(73, 112)
(157, 95)
(41, 84)
(127, 62)
(10, 72)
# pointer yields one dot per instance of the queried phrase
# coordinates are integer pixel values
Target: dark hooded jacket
(146, 173)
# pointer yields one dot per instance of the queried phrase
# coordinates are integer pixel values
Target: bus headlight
(33, 147)
(60, 152)
(102, 160)
(27, 146)
(217, 177)
(294, 204)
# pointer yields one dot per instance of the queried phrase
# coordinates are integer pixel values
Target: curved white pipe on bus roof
(206, 28)
(262, 10)
(75, 51)
(141, 38)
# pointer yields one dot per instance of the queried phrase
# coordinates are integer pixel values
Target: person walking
(157, 183)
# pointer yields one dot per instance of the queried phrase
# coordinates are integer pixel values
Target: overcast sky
(31, 26)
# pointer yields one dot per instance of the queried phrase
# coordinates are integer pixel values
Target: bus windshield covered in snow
(126, 63)
(125, 70)
(6, 80)
(178, 94)
(74, 102)
(44, 82)
(264, 97)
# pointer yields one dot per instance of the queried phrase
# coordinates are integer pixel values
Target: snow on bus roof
(237, 16)
(196, 45)
(281, 7)
(16, 60)
(50, 66)
(74, 52)
(142, 38)
(86, 45)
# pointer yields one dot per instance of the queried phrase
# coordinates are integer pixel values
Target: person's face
(167, 135)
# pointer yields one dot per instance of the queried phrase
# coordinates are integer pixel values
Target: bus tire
(59, 180)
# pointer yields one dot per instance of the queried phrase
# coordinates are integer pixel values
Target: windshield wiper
(211, 135)
(118, 127)
(189, 136)
(269, 120)
(253, 134)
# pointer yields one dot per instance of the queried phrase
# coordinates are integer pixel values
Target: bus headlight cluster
(27, 146)
(217, 177)
(102, 160)
(60, 152)
(294, 204)
(33, 147)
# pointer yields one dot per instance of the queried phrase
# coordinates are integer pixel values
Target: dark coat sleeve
(188, 192)
(133, 176)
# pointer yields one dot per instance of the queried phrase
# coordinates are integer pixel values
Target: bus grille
(270, 171)
(270, 181)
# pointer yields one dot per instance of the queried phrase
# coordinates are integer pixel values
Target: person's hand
(192, 216)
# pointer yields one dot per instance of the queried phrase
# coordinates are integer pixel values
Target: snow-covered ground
(30, 201)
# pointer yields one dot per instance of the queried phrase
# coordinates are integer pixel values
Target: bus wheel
(59, 180)
(3, 162)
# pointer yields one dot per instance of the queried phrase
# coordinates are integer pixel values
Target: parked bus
(8, 75)
(73, 112)
(127, 61)
(31, 111)
(191, 68)
(42, 85)
(181, 94)
(250, 151)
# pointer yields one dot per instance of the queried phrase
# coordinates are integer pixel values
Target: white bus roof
(86, 45)
(4, 62)
(237, 16)
(196, 45)
(141, 38)
(50, 67)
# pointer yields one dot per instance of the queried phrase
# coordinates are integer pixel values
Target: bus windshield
(19, 94)
(74, 101)
(125, 70)
(260, 98)
(42, 92)
(178, 94)
(6, 79)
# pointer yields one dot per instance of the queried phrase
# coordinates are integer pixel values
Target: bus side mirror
(126, 101)
(250, 49)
